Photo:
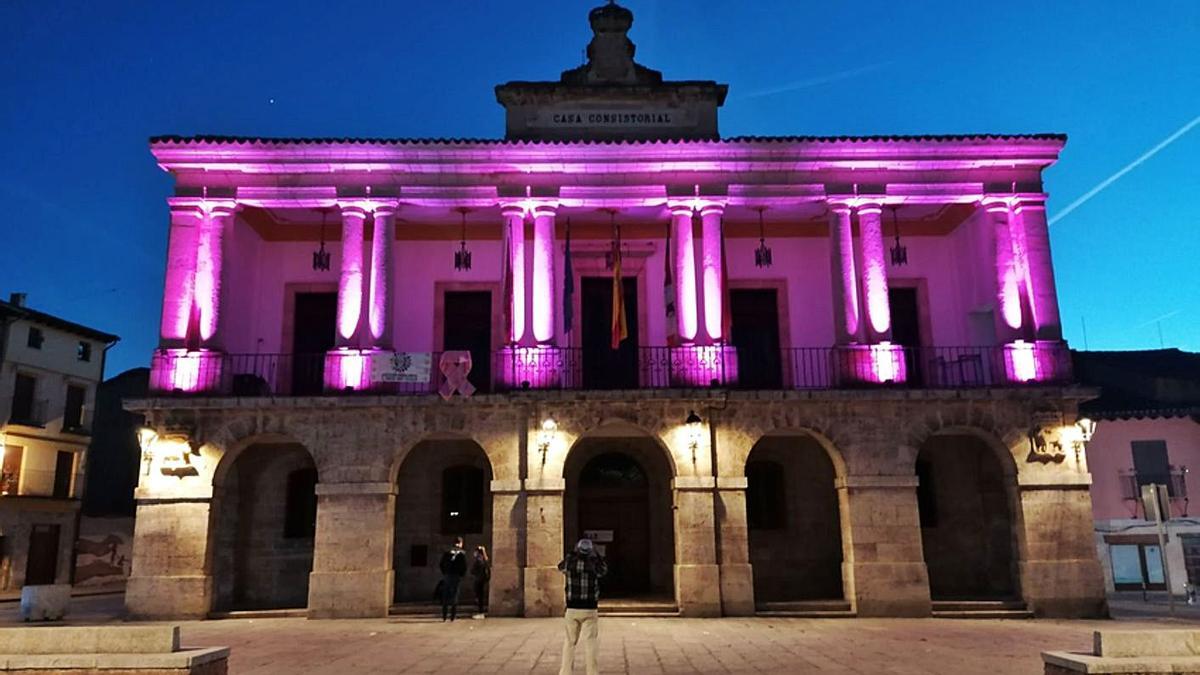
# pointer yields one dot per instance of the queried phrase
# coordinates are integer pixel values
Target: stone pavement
(415, 645)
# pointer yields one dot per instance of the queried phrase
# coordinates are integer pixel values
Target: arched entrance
(442, 491)
(964, 496)
(618, 493)
(265, 511)
(793, 520)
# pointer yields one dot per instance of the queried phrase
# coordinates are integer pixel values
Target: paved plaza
(418, 645)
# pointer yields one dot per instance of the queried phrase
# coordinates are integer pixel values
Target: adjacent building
(1147, 432)
(800, 374)
(49, 371)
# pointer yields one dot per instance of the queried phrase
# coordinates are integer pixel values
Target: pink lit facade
(970, 210)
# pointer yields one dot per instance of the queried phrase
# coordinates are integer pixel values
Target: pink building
(1147, 431)
(812, 326)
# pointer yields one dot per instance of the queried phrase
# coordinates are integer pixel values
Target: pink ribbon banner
(456, 366)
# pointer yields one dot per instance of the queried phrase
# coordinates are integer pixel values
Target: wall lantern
(462, 257)
(546, 437)
(899, 251)
(694, 426)
(146, 438)
(320, 257)
(1087, 429)
(762, 254)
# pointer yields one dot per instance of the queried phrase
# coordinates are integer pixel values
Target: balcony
(563, 368)
(1175, 478)
(78, 422)
(25, 411)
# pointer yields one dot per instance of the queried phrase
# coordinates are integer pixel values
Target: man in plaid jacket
(584, 568)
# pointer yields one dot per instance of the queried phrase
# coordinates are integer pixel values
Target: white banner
(401, 367)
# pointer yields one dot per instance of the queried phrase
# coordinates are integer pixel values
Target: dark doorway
(73, 408)
(755, 334)
(966, 520)
(603, 366)
(906, 329)
(314, 333)
(64, 466)
(467, 326)
(22, 404)
(614, 507)
(41, 566)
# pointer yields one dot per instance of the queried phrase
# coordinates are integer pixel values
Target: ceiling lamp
(320, 259)
(762, 254)
(462, 257)
(899, 251)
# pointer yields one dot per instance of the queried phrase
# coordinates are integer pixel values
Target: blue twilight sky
(82, 86)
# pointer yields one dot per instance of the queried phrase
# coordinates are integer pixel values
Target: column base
(698, 590)
(505, 591)
(1072, 589)
(187, 371)
(349, 595)
(881, 363)
(168, 597)
(891, 589)
(737, 589)
(544, 592)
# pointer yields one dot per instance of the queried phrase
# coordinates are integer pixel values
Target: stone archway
(618, 489)
(264, 513)
(965, 498)
(793, 520)
(442, 491)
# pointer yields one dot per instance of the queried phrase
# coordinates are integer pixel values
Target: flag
(620, 328)
(507, 282)
(726, 314)
(669, 292)
(568, 309)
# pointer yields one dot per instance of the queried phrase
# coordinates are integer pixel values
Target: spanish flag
(620, 328)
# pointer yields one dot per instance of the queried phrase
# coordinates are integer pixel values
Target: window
(1136, 566)
(462, 500)
(64, 466)
(36, 338)
(926, 495)
(1150, 464)
(10, 474)
(73, 408)
(300, 515)
(766, 507)
(24, 411)
(84, 351)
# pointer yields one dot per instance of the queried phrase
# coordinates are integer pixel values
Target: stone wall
(870, 438)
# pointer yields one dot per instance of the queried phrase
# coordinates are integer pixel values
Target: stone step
(815, 609)
(985, 614)
(260, 614)
(638, 607)
(981, 609)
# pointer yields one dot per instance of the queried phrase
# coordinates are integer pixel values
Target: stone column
(697, 576)
(514, 220)
(379, 313)
(1008, 293)
(714, 293)
(737, 575)
(351, 288)
(508, 522)
(1043, 295)
(883, 566)
(544, 546)
(542, 288)
(172, 552)
(685, 271)
(352, 575)
(179, 285)
(845, 282)
(874, 274)
(1059, 572)
(210, 258)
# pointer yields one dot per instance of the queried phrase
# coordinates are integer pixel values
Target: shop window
(462, 500)
(1137, 567)
(766, 506)
(300, 515)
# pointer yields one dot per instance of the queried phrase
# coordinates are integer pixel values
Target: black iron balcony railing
(1175, 478)
(535, 368)
(25, 411)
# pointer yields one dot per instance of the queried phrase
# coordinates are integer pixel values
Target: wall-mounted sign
(598, 536)
(401, 367)
(606, 119)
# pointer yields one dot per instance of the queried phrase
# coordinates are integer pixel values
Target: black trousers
(481, 593)
(450, 584)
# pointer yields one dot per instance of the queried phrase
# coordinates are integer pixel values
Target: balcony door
(313, 333)
(755, 334)
(603, 366)
(467, 326)
(906, 329)
(41, 567)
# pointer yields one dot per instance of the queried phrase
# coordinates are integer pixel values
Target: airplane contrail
(1126, 169)
(814, 81)
(1157, 319)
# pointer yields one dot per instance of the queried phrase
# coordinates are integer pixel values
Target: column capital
(708, 208)
(514, 209)
(542, 209)
(201, 205)
(353, 209)
(841, 206)
(868, 206)
(996, 203)
(1030, 203)
(682, 207)
(385, 208)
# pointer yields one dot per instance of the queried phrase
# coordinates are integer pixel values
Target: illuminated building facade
(840, 389)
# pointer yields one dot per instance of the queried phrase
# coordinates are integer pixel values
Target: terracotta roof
(8, 309)
(264, 140)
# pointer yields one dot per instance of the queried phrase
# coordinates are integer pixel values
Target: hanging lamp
(899, 251)
(762, 254)
(462, 257)
(320, 257)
